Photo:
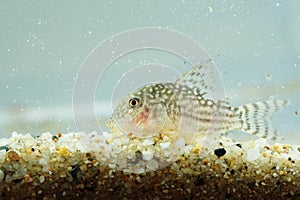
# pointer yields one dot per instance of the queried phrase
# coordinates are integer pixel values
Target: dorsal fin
(223, 103)
(200, 76)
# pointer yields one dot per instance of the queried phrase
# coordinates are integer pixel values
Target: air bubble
(268, 77)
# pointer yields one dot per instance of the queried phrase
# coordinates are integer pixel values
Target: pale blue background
(42, 45)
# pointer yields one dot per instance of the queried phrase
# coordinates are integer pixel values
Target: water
(255, 45)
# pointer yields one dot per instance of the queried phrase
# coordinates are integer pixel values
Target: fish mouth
(142, 124)
(129, 124)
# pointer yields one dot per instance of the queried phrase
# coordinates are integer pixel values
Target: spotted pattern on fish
(182, 107)
(255, 117)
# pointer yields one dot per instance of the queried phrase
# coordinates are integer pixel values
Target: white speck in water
(39, 22)
(268, 77)
(8, 50)
(277, 4)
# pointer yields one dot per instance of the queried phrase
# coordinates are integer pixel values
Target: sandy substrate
(94, 166)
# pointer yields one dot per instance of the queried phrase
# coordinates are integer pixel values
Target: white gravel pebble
(147, 155)
(1, 175)
(2, 156)
(42, 179)
(253, 154)
(165, 145)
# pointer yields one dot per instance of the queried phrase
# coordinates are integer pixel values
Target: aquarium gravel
(101, 166)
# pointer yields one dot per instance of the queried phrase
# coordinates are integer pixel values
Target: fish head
(142, 113)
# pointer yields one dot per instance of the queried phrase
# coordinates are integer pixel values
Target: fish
(186, 108)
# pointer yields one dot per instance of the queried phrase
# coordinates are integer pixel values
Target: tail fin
(255, 118)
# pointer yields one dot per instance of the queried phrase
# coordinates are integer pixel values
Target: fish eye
(134, 102)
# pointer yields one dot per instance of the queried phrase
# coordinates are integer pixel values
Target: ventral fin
(200, 77)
